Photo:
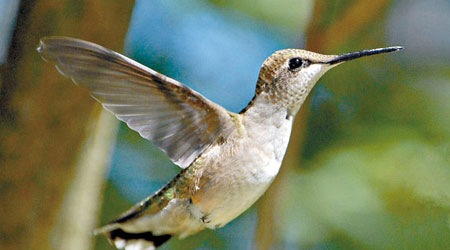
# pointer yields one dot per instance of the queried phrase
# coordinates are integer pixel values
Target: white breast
(243, 174)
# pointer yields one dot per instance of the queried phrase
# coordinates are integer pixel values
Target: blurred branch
(81, 204)
(322, 36)
(44, 120)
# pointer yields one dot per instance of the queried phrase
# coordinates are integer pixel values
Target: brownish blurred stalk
(325, 37)
(45, 122)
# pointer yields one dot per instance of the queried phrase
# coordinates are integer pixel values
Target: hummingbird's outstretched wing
(174, 117)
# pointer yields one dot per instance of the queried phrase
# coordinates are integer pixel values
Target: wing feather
(179, 120)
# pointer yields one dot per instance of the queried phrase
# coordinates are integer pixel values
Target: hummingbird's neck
(268, 125)
(277, 104)
(262, 106)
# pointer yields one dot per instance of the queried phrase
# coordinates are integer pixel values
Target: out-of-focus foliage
(45, 121)
(376, 168)
(369, 163)
(290, 15)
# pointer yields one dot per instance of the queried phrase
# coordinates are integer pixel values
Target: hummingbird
(228, 159)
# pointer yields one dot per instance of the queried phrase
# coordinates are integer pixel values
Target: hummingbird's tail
(139, 241)
(118, 234)
(153, 221)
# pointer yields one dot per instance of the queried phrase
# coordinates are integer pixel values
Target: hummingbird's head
(288, 76)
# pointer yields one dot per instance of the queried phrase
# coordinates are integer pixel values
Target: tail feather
(152, 222)
(148, 237)
(132, 241)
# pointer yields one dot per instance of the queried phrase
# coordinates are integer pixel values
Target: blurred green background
(368, 166)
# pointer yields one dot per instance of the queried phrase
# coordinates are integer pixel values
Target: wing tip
(42, 48)
(47, 45)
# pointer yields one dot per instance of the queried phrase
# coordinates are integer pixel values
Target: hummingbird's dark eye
(295, 63)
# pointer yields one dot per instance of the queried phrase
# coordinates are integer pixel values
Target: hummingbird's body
(228, 159)
(222, 182)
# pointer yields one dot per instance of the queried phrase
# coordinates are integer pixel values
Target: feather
(180, 121)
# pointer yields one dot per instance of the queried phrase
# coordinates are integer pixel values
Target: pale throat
(269, 126)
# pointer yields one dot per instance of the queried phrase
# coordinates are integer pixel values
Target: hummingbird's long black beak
(354, 55)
